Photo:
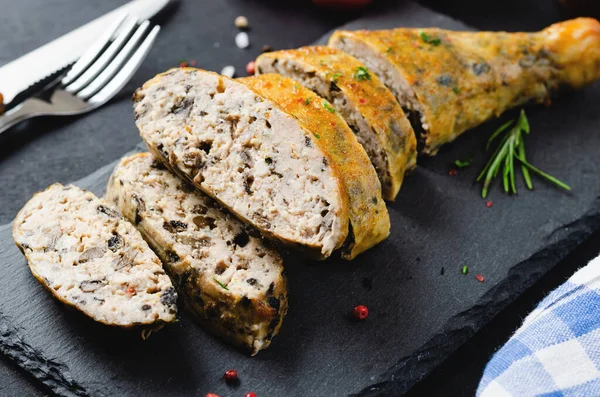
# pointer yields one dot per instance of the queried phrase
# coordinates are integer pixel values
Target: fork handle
(30, 108)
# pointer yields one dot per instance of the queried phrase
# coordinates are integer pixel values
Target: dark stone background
(33, 156)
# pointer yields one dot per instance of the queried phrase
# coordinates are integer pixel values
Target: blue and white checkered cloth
(556, 352)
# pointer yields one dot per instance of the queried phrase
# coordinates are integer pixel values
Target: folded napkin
(556, 352)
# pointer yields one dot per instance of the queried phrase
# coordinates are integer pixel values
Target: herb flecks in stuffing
(221, 284)
(434, 41)
(362, 73)
(327, 106)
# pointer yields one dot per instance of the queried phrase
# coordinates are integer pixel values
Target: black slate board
(418, 316)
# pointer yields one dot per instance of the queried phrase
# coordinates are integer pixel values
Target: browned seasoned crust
(180, 84)
(387, 136)
(461, 79)
(369, 217)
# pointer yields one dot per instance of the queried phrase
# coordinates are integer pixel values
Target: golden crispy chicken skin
(454, 81)
(368, 215)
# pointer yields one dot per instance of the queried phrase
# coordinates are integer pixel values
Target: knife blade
(16, 76)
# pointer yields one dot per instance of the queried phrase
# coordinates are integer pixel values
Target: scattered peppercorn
(183, 64)
(480, 278)
(361, 312)
(212, 395)
(250, 394)
(242, 40)
(452, 172)
(130, 291)
(251, 68)
(442, 271)
(362, 100)
(230, 376)
(489, 203)
(241, 22)
(228, 71)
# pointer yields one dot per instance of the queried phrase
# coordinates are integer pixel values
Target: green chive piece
(524, 170)
(500, 130)
(541, 173)
(328, 107)
(505, 172)
(489, 163)
(336, 76)
(494, 168)
(362, 73)
(317, 135)
(425, 37)
(307, 101)
(221, 284)
(463, 163)
(456, 90)
(523, 122)
(465, 269)
(511, 169)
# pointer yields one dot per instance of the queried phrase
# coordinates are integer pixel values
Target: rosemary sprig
(511, 148)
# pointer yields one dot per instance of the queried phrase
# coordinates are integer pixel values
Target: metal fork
(100, 73)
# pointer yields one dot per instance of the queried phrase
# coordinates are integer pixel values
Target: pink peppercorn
(251, 67)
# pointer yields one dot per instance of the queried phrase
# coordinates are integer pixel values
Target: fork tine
(128, 70)
(105, 58)
(116, 63)
(93, 52)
